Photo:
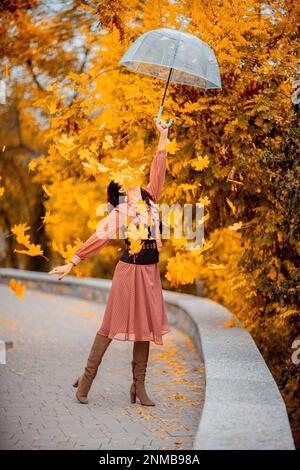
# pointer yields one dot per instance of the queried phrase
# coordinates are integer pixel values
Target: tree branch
(35, 78)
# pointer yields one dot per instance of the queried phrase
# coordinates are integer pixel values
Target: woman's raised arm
(158, 165)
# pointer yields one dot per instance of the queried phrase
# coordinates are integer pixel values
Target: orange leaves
(172, 146)
(83, 201)
(24, 239)
(182, 270)
(50, 219)
(84, 153)
(230, 323)
(17, 288)
(179, 396)
(32, 165)
(7, 71)
(136, 233)
(231, 205)
(216, 266)
(52, 107)
(67, 251)
(235, 226)
(127, 175)
(33, 250)
(90, 154)
(201, 163)
(2, 189)
(205, 201)
(46, 190)
(65, 146)
(108, 142)
(187, 265)
(19, 231)
(135, 246)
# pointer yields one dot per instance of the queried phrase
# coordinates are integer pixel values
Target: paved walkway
(52, 337)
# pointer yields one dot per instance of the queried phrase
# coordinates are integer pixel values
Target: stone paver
(52, 337)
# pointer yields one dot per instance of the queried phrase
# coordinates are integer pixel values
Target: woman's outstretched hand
(62, 271)
(162, 127)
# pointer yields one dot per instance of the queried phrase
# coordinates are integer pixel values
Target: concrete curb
(243, 407)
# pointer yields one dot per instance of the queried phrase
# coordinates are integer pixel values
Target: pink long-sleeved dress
(135, 309)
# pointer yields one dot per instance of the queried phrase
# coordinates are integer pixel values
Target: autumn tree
(234, 150)
(39, 45)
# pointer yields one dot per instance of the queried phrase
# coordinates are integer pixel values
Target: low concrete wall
(243, 408)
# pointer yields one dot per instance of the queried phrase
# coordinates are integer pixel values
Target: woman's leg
(139, 366)
(84, 382)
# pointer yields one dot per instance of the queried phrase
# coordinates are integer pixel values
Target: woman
(135, 310)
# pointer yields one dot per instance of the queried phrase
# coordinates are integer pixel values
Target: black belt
(146, 244)
(148, 254)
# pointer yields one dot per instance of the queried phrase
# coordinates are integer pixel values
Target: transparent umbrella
(174, 56)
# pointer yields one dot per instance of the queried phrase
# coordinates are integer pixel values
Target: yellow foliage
(172, 147)
(97, 125)
(231, 205)
(108, 142)
(22, 239)
(46, 190)
(201, 163)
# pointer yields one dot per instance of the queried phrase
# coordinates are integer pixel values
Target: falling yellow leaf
(201, 163)
(65, 145)
(52, 107)
(231, 205)
(108, 142)
(172, 147)
(235, 226)
(230, 323)
(19, 230)
(46, 190)
(33, 250)
(135, 246)
(17, 288)
(32, 165)
(84, 153)
(49, 218)
(204, 200)
(23, 239)
(216, 266)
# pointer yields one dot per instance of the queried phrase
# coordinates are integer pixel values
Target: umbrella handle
(168, 124)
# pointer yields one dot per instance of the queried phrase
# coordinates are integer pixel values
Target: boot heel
(132, 396)
(75, 384)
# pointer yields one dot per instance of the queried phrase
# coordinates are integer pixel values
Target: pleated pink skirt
(135, 310)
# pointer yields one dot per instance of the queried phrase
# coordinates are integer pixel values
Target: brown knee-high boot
(139, 367)
(84, 382)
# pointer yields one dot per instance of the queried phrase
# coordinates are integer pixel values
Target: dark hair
(114, 194)
(146, 196)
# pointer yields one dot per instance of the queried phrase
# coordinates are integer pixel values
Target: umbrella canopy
(174, 56)
(192, 60)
